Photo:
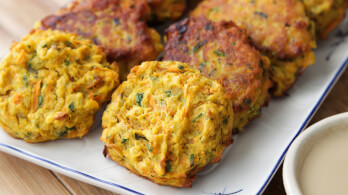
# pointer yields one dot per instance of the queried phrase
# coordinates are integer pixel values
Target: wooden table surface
(21, 177)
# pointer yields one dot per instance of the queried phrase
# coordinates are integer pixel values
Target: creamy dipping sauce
(325, 170)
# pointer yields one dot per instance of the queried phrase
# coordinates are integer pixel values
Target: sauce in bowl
(325, 169)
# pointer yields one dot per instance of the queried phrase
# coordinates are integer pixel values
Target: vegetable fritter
(279, 29)
(167, 9)
(222, 51)
(166, 122)
(115, 25)
(327, 14)
(51, 86)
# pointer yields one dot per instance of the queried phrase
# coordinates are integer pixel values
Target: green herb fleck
(150, 148)
(226, 121)
(168, 166)
(28, 134)
(40, 100)
(68, 43)
(168, 93)
(209, 156)
(192, 158)
(202, 65)
(124, 141)
(44, 46)
(72, 107)
(66, 62)
(181, 67)
(198, 46)
(219, 53)
(25, 79)
(154, 78)
(67, 129)
(246, 101)
(212, 72)
(116, 21)
(197, 117)
(137, 137)
(263, 15)
(71, 128)
(139, 98)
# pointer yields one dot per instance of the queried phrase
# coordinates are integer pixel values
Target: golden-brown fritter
(327, 14)
(115, 25)
(167, 9)
(166, 122)
(279, 29)
(222, 51)
(51, 86)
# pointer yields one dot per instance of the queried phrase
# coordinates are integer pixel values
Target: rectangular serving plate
(247, 166)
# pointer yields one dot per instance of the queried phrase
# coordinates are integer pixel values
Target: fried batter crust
(279, 29)
(51, 86)
(117, 26)
(166, 122)
(222, 51)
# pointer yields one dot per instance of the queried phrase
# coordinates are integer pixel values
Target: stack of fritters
(279, 29)
(167, 122)
(169, 119)
(222, 51)
(51, 86)
(116, 25)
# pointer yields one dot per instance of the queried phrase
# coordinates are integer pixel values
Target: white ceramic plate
(247, 166)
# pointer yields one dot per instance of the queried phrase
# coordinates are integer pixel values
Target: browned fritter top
(280, 28)
(221, 51)
(116, 25)
(125, 5)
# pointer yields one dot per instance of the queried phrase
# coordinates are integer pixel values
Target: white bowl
(300, 148)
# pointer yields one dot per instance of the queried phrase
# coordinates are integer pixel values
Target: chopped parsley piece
(139, 98)
(66, 62)
(192, 158)
(25, 79)
(209, 156)
(212, 72)
(71, 128)
(44, 46)
(67, 129)
(168, 93)
(40, 100)
(116, 21)
(202, 65)
(150, 148)
(137, 137)
(226, 121)
(168, 166)
(263, 15)
(197, 117)
(72, 107)
(124, 141)
(208, 26)
(246, 101)
(198, 46)
(68, 43)
(219, 53)
(181, 67)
